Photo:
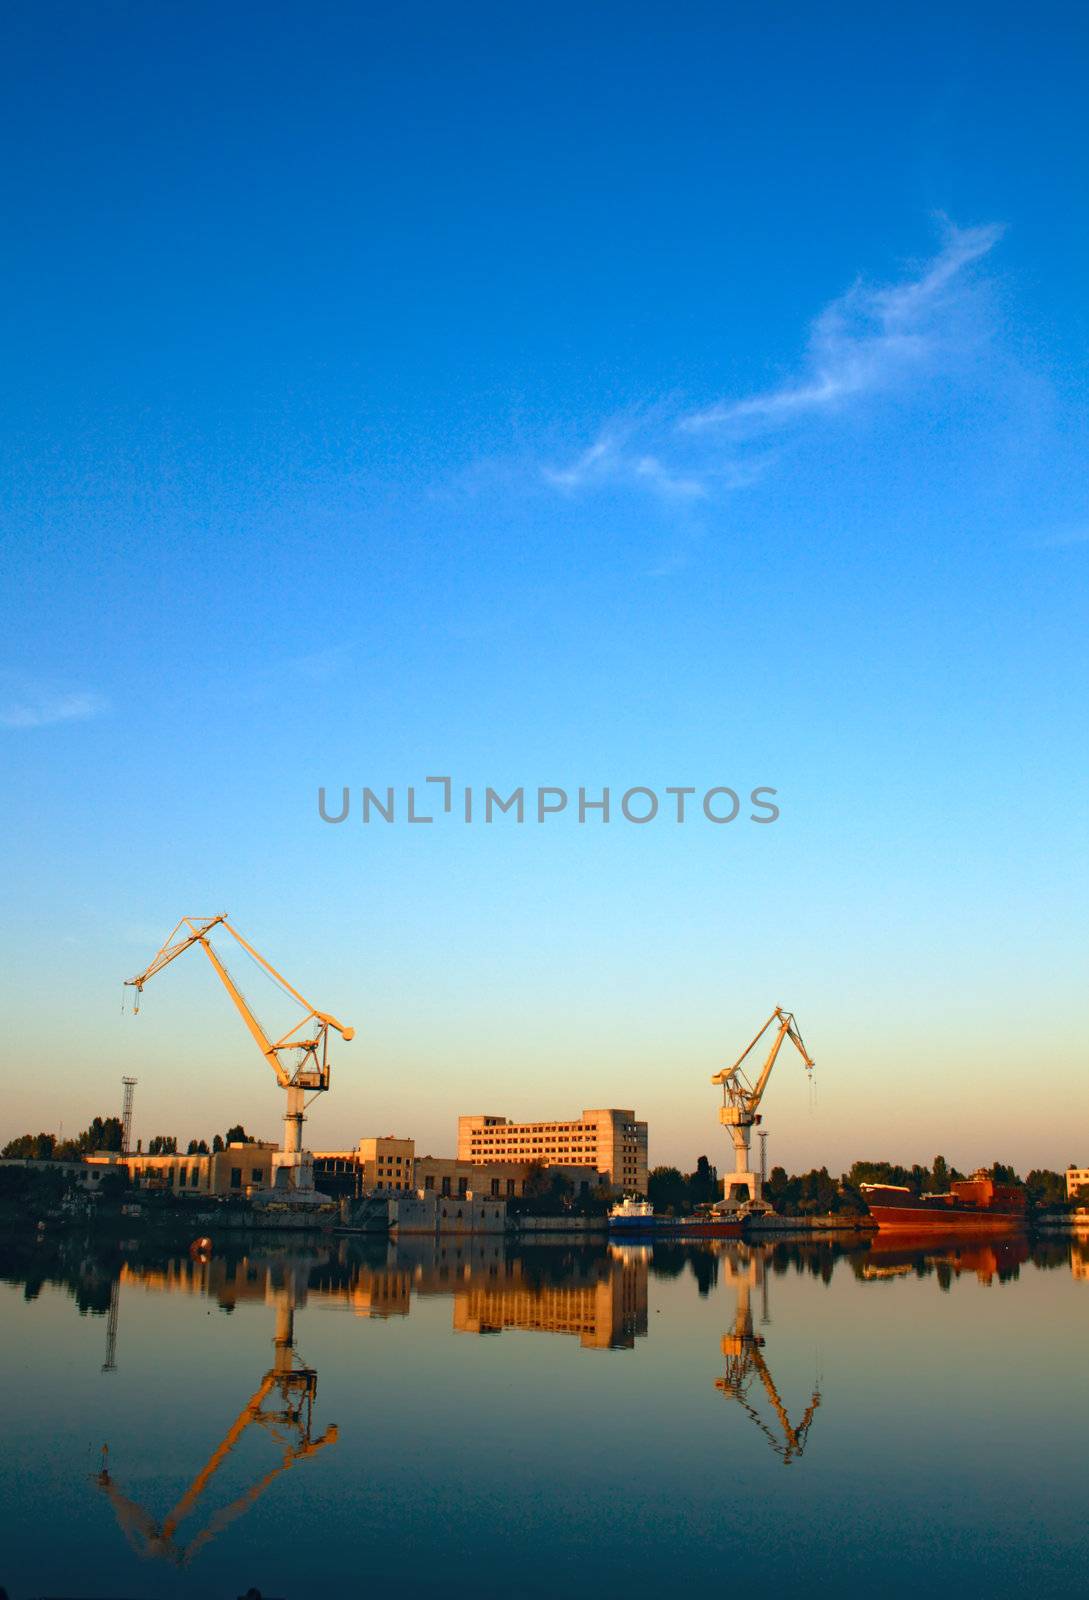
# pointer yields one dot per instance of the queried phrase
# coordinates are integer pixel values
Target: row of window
(463, 1185)
(189, 1177)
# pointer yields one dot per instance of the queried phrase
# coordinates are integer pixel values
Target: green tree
(536, 1184)
(104, 1133)
(881, 1172)
(1001, 1173)
(775, 1188)
(543, 1182)
(939, 1176)
(32, 1147)
(703, 1183)
(197, 1147)
(668, 1190)
(163, 1144)
(1046, 1188)
(217, 1144)
(238, 1135)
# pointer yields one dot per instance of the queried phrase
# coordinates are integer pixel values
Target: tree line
(105, 1134)
(817, 1192)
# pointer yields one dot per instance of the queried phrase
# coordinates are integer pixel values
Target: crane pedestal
(293, 1167)
(741, 1189)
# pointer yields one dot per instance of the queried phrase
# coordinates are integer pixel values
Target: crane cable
(273, 977)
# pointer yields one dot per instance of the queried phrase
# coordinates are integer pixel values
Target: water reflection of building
(605, 1305)
(600, 1299)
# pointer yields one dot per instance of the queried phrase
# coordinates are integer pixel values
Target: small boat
(709, 1224)
(632, 1215)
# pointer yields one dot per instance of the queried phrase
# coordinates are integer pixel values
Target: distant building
(1077, 1183)
(240, 1169)
(497, 1179)
(87, 1172)
(373, 1166)
(610, 1142)
(391, 1166)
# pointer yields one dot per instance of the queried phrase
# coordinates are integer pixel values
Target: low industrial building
(373, 1166)
(241, 1169)
(391, 1166)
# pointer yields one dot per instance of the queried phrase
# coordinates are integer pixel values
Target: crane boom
(748, 1096)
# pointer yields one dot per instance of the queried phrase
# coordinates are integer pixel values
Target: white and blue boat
(631, 1215)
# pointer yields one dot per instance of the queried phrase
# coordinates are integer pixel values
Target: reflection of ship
(743, 1349)
(282, 1406)
(901, 1254)
(977, 1204)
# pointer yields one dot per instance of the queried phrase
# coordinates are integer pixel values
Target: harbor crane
(301, 1064)
(742, 1190)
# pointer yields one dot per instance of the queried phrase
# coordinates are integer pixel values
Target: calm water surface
(607, 1421)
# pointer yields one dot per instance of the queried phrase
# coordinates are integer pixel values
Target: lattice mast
(128, 1091)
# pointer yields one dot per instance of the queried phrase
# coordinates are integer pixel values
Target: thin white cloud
(596, 463)
(651, 470)
(868, 341)
(27, 705)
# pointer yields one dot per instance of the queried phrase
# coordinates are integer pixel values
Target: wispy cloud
(866, 341)
(870, 340)
(613, 457)
(24, 704)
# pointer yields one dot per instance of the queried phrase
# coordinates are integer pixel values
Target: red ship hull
(972, 1205)
(947, 1220)
(705, 1230)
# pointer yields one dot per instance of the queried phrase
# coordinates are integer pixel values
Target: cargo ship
(972, 1205)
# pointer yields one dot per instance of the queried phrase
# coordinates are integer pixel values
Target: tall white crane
(740, 1100)
(301, 1065)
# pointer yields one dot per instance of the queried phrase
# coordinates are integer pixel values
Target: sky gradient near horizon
(639, 395)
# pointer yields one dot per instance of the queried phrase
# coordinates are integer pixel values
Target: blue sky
(649, 396)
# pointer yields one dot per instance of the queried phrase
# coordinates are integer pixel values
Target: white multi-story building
(1077, 1183)
(609, 1141)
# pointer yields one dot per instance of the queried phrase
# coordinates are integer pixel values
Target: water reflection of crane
(110, 1363)
(743, 1349)
(282, 1405)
